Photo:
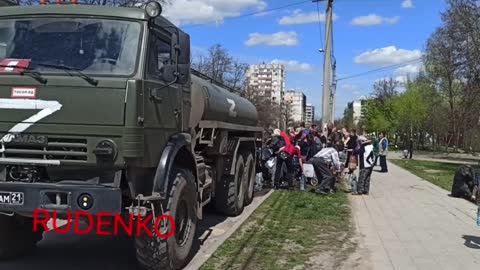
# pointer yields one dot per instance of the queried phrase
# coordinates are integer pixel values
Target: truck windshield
(93, 46)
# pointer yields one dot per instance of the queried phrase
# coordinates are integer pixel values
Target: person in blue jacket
(383, 152)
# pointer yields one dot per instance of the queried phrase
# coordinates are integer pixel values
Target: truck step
(207, 199)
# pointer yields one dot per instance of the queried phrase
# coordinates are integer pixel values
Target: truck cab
(100, 112)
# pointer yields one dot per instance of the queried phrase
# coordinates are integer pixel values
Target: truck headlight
(153, 9)
(106, 149)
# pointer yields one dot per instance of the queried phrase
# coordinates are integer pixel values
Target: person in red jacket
(286, 155)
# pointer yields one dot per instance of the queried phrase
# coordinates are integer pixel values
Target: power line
(379, 69)
(253, 13)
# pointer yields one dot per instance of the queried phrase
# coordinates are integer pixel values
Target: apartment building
(358, 108)
(268, 80)
(297, 102)
(309, 114)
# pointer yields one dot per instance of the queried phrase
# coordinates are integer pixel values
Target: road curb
(212, 245)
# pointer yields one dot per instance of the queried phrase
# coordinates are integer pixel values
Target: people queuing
(326, 152)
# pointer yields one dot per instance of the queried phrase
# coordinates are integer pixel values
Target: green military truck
(100, 111)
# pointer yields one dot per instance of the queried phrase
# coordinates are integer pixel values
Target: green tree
(375, 118)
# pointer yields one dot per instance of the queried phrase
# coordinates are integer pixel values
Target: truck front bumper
(65, 197)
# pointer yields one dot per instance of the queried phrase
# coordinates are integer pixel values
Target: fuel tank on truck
(214, 103)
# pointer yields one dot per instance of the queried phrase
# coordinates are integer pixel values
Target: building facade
(358, 108)
(296, 102)
(267, 80)
(309, 114)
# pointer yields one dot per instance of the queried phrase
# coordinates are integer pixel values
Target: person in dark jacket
(351, 145)
(277, 141)
(464, 183)
(410, 148)
(366, 162)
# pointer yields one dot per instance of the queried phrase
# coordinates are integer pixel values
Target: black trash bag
(463, 182)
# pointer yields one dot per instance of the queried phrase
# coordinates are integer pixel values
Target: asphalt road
(90, 252)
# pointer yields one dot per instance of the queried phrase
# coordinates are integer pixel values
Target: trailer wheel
(230, 192)
(250, 171)
(156, 253)
(17, 237)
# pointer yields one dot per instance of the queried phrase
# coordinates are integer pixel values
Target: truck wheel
(17, 236)
(156, 253)
(230, 192)
(250, 170)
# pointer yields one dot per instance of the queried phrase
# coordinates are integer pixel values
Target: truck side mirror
(183, 73)
(168, 73)
(184, 53)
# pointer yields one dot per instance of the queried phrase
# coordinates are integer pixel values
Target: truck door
(162, 100)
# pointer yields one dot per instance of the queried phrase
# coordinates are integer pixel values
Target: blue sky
(368, 34)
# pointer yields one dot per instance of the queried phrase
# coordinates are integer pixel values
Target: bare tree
(237, 76)
(385, 89)
(452, 62)
(219, 65)
(268, 111)
(289, 112)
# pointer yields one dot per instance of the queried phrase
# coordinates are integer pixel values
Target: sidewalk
(408, 223)
(439, 157)
(392, 157)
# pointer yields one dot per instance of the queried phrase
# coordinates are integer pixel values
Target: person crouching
(367, 161)
(321, 164)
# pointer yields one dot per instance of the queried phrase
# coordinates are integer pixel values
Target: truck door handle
(155, 94)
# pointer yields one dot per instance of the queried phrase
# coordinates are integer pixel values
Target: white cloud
(275, 39)
(298, 17)
(294, 66)
(183, 12)
(373, 19)
(265, 13)
(387, 56)
(407, 4)
(409, 69)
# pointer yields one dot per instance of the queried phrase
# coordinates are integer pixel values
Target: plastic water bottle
(478, 216)
(302, 183)
(259, 181)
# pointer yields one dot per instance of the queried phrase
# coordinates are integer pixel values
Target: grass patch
(438, 173)
(287, 231)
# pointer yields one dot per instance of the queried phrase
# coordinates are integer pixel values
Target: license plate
(11, 198)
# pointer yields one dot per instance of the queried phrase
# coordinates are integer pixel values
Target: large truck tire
(17, 237)
(155, 253)
(230, 191)
(251, 173)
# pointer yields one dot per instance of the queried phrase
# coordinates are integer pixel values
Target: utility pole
(327, 65)
(334, 91)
